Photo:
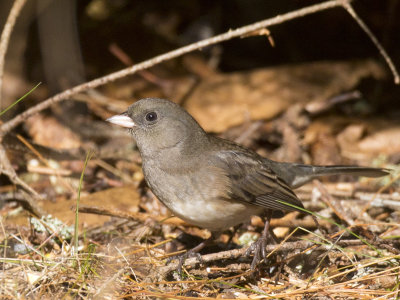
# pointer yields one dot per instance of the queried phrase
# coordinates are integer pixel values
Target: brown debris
(224, 101)
(293, 112)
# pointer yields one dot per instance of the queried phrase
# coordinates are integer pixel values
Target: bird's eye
(151, 117)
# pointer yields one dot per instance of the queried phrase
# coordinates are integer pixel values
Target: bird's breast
(199, 197)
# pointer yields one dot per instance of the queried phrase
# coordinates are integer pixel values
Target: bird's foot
(258, 248)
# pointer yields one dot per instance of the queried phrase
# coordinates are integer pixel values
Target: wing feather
(254, 182)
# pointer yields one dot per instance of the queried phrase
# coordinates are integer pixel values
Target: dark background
(144, 29)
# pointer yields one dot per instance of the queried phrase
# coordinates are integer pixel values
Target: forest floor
(118, 243)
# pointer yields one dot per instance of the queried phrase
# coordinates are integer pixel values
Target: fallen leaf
(124, 198)
(224, 101)
(385, 141)
(48, 131)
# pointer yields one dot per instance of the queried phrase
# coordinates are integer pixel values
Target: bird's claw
(258, 248)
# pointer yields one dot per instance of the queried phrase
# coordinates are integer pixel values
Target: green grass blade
(20, 99)
(76, 229)
(333, 222)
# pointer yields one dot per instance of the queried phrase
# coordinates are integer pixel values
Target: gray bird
(211, 182)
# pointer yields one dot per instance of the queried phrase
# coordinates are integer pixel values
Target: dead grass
(118, 267)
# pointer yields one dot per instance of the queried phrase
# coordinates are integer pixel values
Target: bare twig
(383, 188)
(7, 127)
(142, 217)
(347, 6)
(238, 253)
(127, 61)
(376, 199)
(115, 171)
(317, 107)
(5, 38)
(7, 169)
(332, 203)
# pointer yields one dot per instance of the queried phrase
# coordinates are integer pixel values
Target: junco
(211, 182)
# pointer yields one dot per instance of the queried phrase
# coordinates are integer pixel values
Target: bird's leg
(319, 227)
(258, 247)
(193, 252)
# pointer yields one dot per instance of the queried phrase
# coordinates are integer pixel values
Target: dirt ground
(314, 90)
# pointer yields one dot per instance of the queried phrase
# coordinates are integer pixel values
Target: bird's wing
(251, 181)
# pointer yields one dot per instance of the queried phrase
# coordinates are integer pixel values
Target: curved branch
(5, 37)
(7, 127)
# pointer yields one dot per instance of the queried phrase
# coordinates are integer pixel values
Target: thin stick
(332, 203)
(7, 127)
(5, 38)
(238, 253)
(7, 169)
(347, 6)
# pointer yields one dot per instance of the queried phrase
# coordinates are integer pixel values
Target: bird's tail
(296, 175)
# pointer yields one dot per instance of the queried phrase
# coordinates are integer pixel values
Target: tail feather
(296, 175)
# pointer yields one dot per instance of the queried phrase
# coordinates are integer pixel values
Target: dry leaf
(49, 132)
(123, 198)
(228, 100)
(384, 141)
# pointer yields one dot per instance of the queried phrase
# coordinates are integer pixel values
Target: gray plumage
(208, 181)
